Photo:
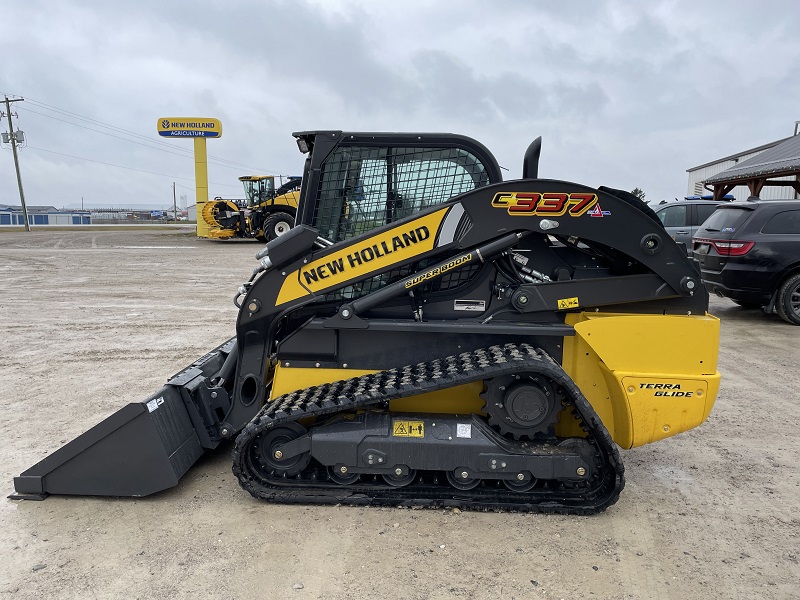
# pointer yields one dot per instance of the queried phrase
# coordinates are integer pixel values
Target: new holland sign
(189, 127)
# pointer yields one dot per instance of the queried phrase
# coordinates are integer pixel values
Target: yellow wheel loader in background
(266, 213)
(430, 335)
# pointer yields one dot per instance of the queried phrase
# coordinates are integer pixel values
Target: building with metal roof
(700, 176)
(777, 167)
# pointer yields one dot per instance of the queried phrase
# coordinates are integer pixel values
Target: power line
(123, 167)
(111, 135)
(174, 149)
(96, 122)
(134, 134)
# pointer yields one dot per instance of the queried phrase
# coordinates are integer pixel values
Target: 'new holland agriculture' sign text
(189, 127)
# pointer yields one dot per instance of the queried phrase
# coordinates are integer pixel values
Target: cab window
(365, 187)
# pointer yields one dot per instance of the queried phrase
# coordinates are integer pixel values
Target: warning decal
(568, 303)
(408, 428)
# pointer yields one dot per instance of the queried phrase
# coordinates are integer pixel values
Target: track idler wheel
(582, 447)
(268, 458)
(522, 406)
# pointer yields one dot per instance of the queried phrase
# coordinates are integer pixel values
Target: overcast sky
(625, 93)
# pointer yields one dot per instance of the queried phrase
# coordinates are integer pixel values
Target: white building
(42, 215)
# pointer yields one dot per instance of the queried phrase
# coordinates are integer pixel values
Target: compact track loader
(428, 334)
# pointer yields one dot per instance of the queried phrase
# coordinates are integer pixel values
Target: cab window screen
(363, 188)
(783, 222)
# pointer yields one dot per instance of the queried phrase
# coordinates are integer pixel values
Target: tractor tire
(277, 224)
(787, 304)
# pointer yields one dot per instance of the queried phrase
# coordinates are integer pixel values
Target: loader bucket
(141, 449)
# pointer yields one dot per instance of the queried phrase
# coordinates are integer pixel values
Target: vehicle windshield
(258, 192)
(365, 187)
(725, 219)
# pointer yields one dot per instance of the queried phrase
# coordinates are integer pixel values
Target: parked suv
(750, 252)
(682, 218)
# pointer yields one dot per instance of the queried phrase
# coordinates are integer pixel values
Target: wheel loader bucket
(141, 449)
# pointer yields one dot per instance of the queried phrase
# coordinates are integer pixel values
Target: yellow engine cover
(647, 376)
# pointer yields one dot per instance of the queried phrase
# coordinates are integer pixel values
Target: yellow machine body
(648, 377)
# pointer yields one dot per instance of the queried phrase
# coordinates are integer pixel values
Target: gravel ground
(95, 319)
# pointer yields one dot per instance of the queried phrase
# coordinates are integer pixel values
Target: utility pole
(174, 205)
(13, 139)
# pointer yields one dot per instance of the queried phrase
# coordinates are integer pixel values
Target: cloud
(625, 93)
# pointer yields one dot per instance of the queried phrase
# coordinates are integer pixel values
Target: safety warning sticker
(464, 430)
(568, 303)
(408, 428)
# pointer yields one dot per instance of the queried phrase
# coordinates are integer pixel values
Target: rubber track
(375, 390)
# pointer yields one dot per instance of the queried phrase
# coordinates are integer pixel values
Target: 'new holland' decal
(356, 260)
(365, 255)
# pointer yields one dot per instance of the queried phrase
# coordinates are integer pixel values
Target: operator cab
(258, 189)
(360, 181)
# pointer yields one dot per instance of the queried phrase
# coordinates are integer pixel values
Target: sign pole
(199, 129)
(201, 183)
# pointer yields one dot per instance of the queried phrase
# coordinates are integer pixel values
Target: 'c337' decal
(525, 204)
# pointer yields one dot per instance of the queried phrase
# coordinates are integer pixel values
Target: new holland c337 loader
(428, 334)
